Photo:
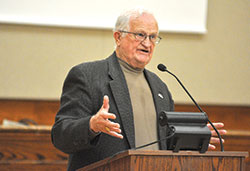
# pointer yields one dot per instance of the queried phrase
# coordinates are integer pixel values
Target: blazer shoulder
(154, 76)
(92, 65)
(89, 68)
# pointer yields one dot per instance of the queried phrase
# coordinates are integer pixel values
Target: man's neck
(126, 61)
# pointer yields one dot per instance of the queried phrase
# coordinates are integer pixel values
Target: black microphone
(163, 68)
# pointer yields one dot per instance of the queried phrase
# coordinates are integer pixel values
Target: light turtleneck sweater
(144, 112)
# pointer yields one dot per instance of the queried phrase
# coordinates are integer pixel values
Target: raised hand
(100, 121)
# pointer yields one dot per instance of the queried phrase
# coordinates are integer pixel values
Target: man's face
(137, 53)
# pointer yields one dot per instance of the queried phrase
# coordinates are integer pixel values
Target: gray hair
(122, 22)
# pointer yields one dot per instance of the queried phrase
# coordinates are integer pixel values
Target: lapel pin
(160, 95)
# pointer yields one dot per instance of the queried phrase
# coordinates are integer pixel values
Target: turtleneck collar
(128, 67)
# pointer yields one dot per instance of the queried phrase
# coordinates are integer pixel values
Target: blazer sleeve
(71, 133)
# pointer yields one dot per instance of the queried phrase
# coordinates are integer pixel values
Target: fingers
(211, 147)
(216, 140)
(105, 108)
(100, 121)
(222, 132)
(105, 105)
(109, 128)
(115, 132)
(216, 125)
(112, 126)
(100, 124)
(112, 129)
(106, 115)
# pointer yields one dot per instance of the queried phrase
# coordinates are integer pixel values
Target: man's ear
(117, 36)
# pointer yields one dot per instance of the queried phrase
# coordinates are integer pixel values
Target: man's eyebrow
(143, 32)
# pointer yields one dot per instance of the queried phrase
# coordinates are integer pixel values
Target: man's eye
(152, 36)
(140, 35)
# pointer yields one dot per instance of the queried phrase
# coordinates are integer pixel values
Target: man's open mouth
(144, 50)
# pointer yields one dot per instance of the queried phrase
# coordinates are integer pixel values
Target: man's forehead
(144, 28)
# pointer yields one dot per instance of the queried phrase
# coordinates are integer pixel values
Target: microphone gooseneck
(163, 68)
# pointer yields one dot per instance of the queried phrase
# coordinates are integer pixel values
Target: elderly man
(112, 105)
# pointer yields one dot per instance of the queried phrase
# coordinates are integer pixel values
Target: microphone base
(190, 131)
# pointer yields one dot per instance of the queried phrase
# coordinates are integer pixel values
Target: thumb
(105, 105)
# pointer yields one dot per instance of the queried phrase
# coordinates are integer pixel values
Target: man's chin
(143, 58)
(142, 62)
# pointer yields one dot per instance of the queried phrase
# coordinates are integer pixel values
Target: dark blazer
(82, 97)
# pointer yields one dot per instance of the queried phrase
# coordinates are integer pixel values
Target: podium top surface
(180, 153)
(167, 153)
(185, 153)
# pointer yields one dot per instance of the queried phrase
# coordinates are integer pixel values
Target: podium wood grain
(166, 160)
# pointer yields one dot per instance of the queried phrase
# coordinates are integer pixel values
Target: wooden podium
(136, 160)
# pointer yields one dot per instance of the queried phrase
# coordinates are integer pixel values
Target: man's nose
(147, 42)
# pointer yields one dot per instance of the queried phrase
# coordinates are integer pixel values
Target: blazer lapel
(122, 99)
(160, 104)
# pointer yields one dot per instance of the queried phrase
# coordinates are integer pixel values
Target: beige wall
(214, 67)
